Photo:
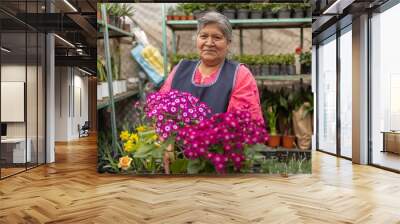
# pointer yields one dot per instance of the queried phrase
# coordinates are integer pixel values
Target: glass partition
(327, 95)
(346, 92)
(14, 153)
(385, 89)
(22, 88)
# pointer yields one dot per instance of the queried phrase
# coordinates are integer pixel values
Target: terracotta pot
(191, 17)
(176, 17)
(288, 141)
(274, 141)
(126, 27)
(169, 17)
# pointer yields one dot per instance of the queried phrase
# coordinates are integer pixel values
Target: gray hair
(215, 17)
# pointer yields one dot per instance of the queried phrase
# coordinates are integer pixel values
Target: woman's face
(212, 44)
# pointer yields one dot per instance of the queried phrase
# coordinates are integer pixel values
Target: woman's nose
(210, 41)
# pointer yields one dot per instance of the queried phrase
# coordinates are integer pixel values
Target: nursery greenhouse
(149, 124)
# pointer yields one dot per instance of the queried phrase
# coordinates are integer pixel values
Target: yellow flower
(141, 128)
(125, 162)
(128, 146)
(134, 138)
(157, 144)
(154, 137)
(124, 135)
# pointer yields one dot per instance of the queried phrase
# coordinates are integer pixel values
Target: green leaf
(179, 166)
(157, 153)
(195, 166)
(146, 134)
(144, 150)
(258, 147)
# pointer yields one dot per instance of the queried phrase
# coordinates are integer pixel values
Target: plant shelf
(283, 77)
(105, 102)
(246, 23)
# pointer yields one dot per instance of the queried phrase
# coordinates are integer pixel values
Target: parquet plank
(71, 191)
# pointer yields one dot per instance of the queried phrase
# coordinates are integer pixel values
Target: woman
(222, 84)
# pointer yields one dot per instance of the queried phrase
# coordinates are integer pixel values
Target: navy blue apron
(217, 94)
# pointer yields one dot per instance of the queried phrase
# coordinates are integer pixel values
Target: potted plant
(282, 64)
(305, 62)
(307, 10)
(265, 70)
(110, 13)
(268, 13)
(229, 11)
(170, 13)
(103, 88)
(303, 102)
(198, 10)
(274, 65)
(258, 61)
(243, 10)
(188, 10)
(298, 10)
(286, 105)
(127, 10)
(290, 67)
(272, 117)
(101, 79)
(256, 10)
(179, 14)
(117, 12)
(251, 61)
(282, 10)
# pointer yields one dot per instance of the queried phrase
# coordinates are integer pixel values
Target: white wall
(61, 103)
(71, 93)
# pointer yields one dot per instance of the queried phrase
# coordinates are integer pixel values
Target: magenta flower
(174, 110)
(221, 139)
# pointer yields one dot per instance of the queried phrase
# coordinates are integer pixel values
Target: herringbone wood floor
(70, 191)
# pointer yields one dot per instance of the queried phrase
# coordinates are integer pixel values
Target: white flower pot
(119, 86)
(104, 86)
(115, 87)
(99, 92)
(124, 84)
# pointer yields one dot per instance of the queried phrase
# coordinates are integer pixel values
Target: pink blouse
(244, 93)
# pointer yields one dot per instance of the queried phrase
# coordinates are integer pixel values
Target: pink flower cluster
(222, 138)
(173, 110)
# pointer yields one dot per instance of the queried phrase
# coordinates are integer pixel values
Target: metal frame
(239, 24)
(109, 77)
(44, 73)
(338, 98)
(369, 78)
